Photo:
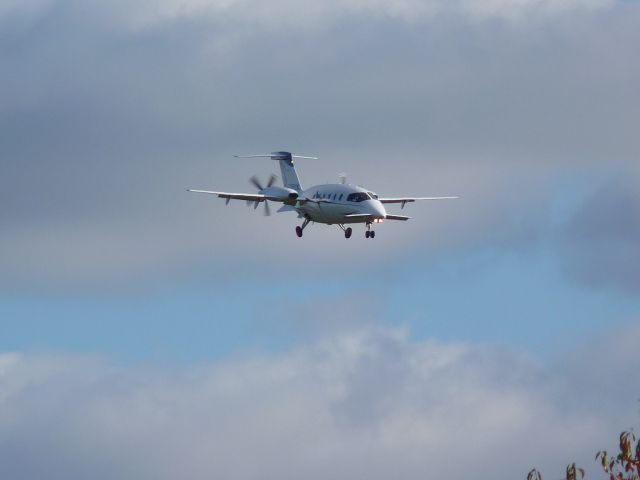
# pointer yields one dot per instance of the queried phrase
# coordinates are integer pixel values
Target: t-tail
(290, 177)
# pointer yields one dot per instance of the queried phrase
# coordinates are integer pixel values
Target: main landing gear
(300, 229)
(369, 233)
(347, 231)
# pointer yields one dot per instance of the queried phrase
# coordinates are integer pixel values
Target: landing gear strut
(300, 229)
(369, 233)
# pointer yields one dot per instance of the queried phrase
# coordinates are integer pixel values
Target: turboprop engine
(281, 194)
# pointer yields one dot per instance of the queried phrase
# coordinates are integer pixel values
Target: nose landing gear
(369, 233)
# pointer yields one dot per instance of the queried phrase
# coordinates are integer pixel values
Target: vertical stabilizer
(289, 175)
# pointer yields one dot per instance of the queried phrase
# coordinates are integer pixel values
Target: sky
(146, 332)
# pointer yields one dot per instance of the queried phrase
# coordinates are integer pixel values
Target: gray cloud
(370, 403)
(140, 14)
(601, 242)
(105, 122)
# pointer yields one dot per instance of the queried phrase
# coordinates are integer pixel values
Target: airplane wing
(251, 197)
(303, 200)
(404, 200)
(388, 217)
(358, 215)
(397, 217)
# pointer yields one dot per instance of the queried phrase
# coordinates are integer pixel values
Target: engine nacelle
(280, 194)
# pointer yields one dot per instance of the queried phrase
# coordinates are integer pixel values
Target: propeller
(254, 180)
(256, 183)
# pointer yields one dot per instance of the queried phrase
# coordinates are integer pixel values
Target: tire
(348, 232)
(367, 234)
(299, 231)
(373, 234)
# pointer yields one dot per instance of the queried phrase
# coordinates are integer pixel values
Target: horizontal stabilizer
(277, 156)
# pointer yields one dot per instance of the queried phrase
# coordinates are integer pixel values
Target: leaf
(604, 460)
(534, 474)
(626, 441)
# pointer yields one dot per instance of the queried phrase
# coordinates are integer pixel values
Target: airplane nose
(378, 210)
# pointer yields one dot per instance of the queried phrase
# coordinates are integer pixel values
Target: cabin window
(358, 197)
(340, 198)
(373, 195)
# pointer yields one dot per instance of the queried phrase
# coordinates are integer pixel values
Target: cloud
(601, 241)
(103, 126)
(143, 14)
(290, 14)
(369, 403)
(26, 8)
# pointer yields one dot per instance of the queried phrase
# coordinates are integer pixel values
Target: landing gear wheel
(367, 234)
(299, 231)
(372, 234)
(347, 233)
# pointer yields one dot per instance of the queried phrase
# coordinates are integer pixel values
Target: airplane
(331, 203)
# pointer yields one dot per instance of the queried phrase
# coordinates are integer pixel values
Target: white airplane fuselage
(341, 204)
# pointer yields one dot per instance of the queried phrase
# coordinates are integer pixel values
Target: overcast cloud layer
(145, 14)
(111, 109)
(366, 404)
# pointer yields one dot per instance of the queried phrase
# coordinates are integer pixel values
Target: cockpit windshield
(358, 197)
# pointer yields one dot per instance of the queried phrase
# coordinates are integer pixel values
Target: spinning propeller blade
(256, 183)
